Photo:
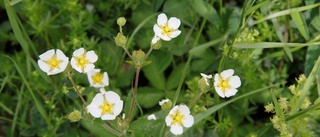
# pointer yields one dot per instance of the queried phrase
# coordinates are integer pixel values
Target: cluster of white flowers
(106, 105)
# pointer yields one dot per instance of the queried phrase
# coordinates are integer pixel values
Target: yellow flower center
(177, 118)
(224, 85)
(166, 30)
(82, 61)
(106, 107)
(97, 78)
(54, 62)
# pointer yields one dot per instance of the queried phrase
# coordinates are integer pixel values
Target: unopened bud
(156, 42)
(74, 116)
(165, 104)
(203, 83)
(122, 123)
(138, 57)
(121, 21)
(120, 40)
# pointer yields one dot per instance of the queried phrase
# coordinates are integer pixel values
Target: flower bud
(165, 104)
(121, 21)
(74, 116)
(156, 42)
(202, 84)
(138, 57)
(122, 123)
(120, 40)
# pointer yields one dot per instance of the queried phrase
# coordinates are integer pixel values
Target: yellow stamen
(82, 61)
(54, 62)
(177, 118)
(106, 107)
(224, 85)
(97, 78)
(166, 30)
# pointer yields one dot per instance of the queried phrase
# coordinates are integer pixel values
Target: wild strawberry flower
(179, 117)
(82, 61)
(206, 77)
(106, 105)
(53, 61)
(226, 84)
(97, 79)
(167, 29)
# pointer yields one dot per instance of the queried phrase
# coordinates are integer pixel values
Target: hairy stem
(134, 94)
(77, 90)
(195, 99)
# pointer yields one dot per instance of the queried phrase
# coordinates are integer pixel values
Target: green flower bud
(138, 57)
(120, 40)
(74, 116)
(202, 84)
(121, 21)
(122, 123)
(156, 43)
(166, 104)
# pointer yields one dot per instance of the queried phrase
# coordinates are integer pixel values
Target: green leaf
(287, 12)
(149, 97)
(313, 53)
(175, 76)
(157, 4)
(96, 129)
(198, 50)
(301, 24)
(202, 7)
(154, 71)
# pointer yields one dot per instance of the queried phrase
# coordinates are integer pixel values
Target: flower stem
(134, 94)
(77, 90)
(195, 99)
(106, 126)
(150, 50)
(126, 50)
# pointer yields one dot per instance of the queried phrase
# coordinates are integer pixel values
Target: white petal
(173, 110)
(188, 121)
(63, 65)
(231, 92)
(43, 66)
(108, 117)
(152, 117)
(155, 39)
(165, 37)
(176, 129)
(105, 79)
(216, 80)
(168, 120)
(54, 71)
(162, 19)
(163, 101)
(74, 66)
(94, 110)
(87, 68)
(112, 97)
(235, 81)
(98, 99)
(117, 108)
(174, 23)
(47, 55)
(219, 92)
(60, 55)
(157, 30)
(184, 109)
(78, 52)
(91, 56)
(175, 33)
(227, 73)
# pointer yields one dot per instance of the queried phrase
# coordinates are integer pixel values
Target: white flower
(206, 77)
(53, 62)
(179, 117)
(96, 79)
(82, 61)
(167, 29)
(225, 84)
(106, 105)
(152, 117)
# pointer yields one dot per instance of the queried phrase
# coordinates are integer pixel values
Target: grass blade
(301, 24)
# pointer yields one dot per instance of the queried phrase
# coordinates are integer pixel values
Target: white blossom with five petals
(53, 61)
(82, 61)
(166, 29)
(179, 117)
(106, 105)
(226, 84)
(97, 79)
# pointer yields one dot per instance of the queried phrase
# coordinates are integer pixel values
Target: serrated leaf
(301, 24)
(149, 97)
